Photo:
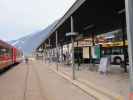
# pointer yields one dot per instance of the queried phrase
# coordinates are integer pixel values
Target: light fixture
(71, 34)
(89, 27)
(121, 11)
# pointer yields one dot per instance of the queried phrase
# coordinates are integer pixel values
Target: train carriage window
(5, 52)
(9, 52)
(2, 51)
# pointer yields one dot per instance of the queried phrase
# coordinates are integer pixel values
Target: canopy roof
(91, 17)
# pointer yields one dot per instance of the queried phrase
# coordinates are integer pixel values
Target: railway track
(39, 82)
(35, 89)
(26, 82)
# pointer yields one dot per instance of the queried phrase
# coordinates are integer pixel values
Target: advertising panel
(95, 51)
(86, 52)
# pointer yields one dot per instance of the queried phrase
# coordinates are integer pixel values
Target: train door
(14, 55)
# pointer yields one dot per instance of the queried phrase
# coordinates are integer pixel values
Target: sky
(22, 17)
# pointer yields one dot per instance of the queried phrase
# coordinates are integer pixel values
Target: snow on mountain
(30, 42)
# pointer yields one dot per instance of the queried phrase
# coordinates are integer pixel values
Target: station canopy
(91, 17)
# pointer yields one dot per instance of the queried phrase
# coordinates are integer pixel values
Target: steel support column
(78, 61)
(129, 19)
(45, 52)
(57, 51)
(72, 40)
(67, 55)
(49, 51)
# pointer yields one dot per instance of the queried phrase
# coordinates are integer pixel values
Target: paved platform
(115, 83)
(37, 81)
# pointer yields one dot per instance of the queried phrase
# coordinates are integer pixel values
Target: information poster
(104, 63)
(86, 52)
(95, 52)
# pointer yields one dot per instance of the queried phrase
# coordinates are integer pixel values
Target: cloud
(22, 17)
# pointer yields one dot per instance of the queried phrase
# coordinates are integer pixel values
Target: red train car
(8, 55)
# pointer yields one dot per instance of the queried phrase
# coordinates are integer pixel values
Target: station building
(101, 29)
(90, 30)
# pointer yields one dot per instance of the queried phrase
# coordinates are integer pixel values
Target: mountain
(30, 42)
